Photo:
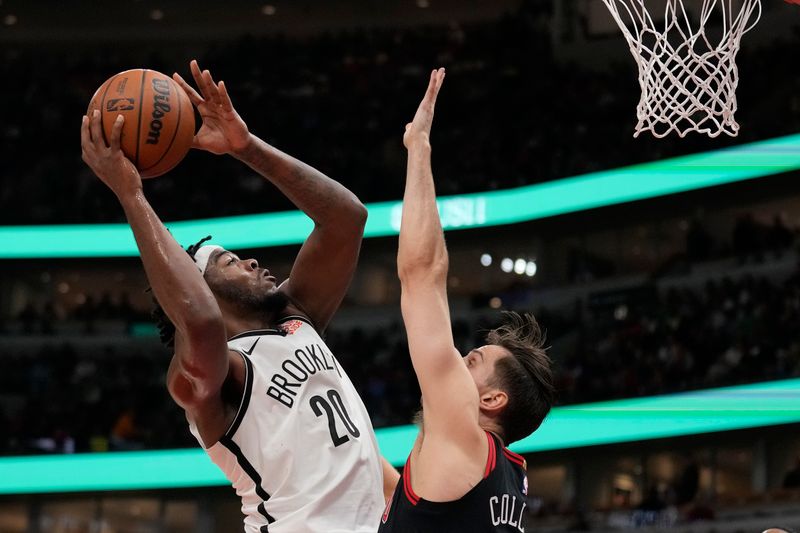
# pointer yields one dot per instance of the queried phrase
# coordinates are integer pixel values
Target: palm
(420, 127)
(220, 133)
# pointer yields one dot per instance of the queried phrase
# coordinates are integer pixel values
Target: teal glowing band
(731, 408)
(638, 182)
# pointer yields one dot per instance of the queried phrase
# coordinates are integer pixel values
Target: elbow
(344, 211)
(359, 212)
(433, 268)
(350, 218)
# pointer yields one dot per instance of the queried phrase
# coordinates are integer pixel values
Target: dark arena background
(665, 271)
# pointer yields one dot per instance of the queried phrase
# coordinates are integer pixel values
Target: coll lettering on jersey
(506, 510)
(297, 369)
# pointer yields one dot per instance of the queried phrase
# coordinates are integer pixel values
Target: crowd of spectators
(41, 317)
(511, 114)
(646, 342)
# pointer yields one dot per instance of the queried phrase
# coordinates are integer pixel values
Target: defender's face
(226, 270)
(480, 363)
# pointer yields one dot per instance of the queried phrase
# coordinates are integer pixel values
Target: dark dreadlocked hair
(166, 329)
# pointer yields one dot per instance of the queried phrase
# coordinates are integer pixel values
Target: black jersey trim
(296, 317)
(246, 393)
(250, 470)
(273, 331)
(268, 331)
(301, 318)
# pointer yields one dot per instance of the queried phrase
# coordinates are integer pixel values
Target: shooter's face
(240, 281)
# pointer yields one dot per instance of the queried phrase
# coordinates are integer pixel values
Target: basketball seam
(103, 107)
(174, 135)
(139, 122)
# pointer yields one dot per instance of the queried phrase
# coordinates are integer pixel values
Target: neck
(488, 424)
(237, 322)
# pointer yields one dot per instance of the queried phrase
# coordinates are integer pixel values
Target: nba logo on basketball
(120, 104)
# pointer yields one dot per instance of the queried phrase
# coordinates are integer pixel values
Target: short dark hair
(166, 329)
(524, 375)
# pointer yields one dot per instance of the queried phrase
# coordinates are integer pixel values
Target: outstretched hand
(419, 129)
(223, 130)
(108, 162)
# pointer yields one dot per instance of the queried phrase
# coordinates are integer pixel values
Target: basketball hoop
(688, 79)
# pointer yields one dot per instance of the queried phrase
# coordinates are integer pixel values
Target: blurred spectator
(688, 482)
(699, 244)
(340, 99)
(792, 478)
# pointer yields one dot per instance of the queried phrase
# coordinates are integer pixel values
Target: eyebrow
(478, 350)
(216, 255)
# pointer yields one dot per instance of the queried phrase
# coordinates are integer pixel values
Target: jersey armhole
(407, 490)
(246, 393)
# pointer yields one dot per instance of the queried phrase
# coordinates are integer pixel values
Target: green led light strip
(741, 407)
(748, 161)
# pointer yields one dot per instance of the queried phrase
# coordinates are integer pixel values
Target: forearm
(421, 236)
(318, 196)
(174, 278)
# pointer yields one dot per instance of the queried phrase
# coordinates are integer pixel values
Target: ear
(493, 401)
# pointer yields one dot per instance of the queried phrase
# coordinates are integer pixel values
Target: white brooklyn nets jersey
(301, 452)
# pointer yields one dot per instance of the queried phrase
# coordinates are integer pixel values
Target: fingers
(437, 77)
(195, 98)
(116, 132)
(210, 89)
(225, 99)
(86, 137)
(196, 74)
(96, 128)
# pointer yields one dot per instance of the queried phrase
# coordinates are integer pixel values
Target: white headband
(202, 256)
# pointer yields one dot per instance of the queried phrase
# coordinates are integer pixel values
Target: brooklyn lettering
(297, 369)
(160, 108)
(504, 511)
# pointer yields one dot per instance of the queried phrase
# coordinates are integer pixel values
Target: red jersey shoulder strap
(515, 458)
(491, 459)
(409, 492)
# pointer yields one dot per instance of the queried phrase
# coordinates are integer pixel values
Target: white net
(687, 62)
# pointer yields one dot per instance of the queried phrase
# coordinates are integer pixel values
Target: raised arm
(325, 264)
(201, 355)
(449, 395)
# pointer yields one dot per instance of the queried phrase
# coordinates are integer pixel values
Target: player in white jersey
(263, 394)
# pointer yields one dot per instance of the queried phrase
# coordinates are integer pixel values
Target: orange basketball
(159, 118)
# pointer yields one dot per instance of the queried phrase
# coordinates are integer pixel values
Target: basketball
(159, 118)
